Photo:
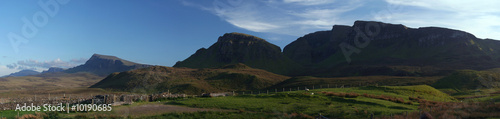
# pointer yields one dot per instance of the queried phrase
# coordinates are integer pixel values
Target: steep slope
(470, 80)
(104, 65)
(238, 77)
(376, 48)
(23, 73)
(232, 48)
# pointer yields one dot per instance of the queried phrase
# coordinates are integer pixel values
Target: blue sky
(162, 32)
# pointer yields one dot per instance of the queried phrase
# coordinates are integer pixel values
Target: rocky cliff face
(104, 65)
(232, 48)
(366, 48)
(371, 46)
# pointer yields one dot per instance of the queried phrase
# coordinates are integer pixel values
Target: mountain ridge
(378, 51)
(388, 46)
(25, 72)
(105, 64)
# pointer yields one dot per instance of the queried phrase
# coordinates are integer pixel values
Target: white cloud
(42, 65)
(478, 17)
(290, 17)
(309, 2)
(299, 17)
(253, 25)
(469, 6)
(6, 71)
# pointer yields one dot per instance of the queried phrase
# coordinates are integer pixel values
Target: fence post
(267, 92)
(298, 88)
(328, 85)
(406, 116)
(313, 87)
(67, 105)
(320, 86)
(275, 90)
(290, 89)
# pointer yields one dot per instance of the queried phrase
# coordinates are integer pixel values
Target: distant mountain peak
(25, 72)
(53, 70)
(98, 57)
(105, 64)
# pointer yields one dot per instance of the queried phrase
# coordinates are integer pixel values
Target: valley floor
(354, 102)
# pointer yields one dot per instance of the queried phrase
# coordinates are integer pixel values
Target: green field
(350, 103)
(314, 102)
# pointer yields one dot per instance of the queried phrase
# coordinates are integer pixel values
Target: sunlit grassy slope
(332, 106)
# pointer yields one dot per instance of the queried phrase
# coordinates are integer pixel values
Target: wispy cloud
(299, 17)
(478, 17)
(36, 65)
(290, 17)
(4, 70)
(309, 2)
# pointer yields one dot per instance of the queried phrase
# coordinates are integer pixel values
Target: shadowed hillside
(470, 80)
(236, 77)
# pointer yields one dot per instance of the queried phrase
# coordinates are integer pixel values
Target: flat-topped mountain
(366, 48)
(233, 48)
(376, 48)
(104, 65)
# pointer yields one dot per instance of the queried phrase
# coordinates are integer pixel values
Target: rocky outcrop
(233, 48)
